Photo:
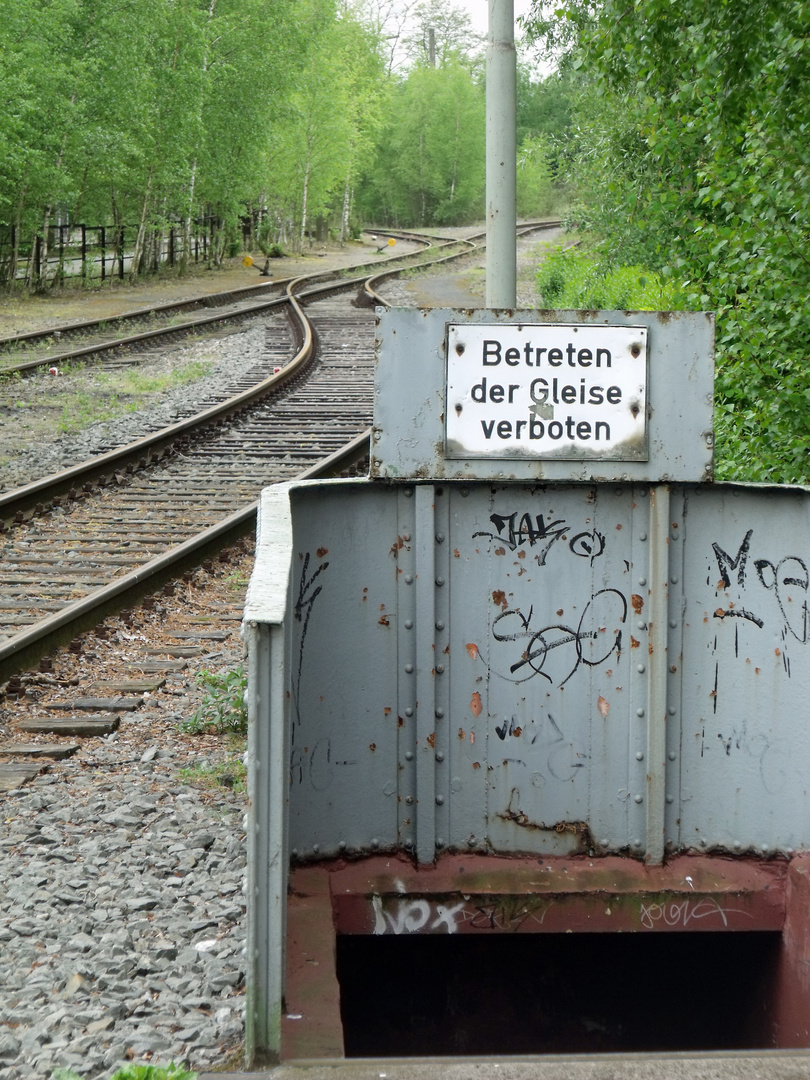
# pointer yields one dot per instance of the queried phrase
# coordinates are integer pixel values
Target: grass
(229, 773)
(116, 393)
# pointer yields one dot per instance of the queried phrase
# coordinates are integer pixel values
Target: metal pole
(501, 288)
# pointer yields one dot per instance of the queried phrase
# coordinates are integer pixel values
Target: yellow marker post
(247, 261)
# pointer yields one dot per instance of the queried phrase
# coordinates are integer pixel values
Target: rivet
(409, 800)
(639, 798)
(439, 756)
(407, 493)
(440, 626)
(294, 852)
(409, 668)
(702, 842)
(409, 624)
(641, 581)
(643, 536)
(439, 538)
(464, 493)
(671, 710)
(636, 843)
(375, 843)
(440, 581)
(674, 535)
(672, 755)
(439, 842)
(604, 841)
(642, 626)
(639, 712)
(440, 669)
(440, 800)
(316, 848)
(409, 711)
(440, 713)
(471, 841)
(409, 579)
(674, 579)
(670, 799)
(342, 845)
(409, 755)
(406, 537)
(640, 669)
(673, 623)
(736, 845)
(639, 755)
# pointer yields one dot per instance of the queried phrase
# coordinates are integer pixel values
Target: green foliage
(223, 707)
(429, 165)
(691, 156)
(570, 279)
(134, 1071)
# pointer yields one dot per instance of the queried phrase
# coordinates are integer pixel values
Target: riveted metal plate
(544, 395)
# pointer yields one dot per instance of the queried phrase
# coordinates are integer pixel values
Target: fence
(99, 252)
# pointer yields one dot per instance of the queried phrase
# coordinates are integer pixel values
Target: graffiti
(414, 916)
(564, 758)
(588, 545)
(302, 612)
(526, 531)
(411, 916)
(601, 621)
(681, 913)
(780, 579)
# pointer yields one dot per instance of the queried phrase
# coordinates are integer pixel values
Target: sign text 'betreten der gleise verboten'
(558, 391)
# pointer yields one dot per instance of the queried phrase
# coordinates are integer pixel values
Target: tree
(693, 159)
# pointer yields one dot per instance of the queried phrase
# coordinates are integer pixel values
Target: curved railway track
(95, 538)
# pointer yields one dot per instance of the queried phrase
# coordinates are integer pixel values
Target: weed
(237, 580)
(223, 707)
(230, 773)
(134, 1071)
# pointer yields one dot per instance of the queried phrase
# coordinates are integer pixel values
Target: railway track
(97, 537)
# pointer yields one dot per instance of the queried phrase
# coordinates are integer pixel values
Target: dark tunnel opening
(460, 995)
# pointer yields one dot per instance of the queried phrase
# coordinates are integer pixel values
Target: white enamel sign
(546, 391)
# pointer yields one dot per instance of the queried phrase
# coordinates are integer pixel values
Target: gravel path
(122, 912)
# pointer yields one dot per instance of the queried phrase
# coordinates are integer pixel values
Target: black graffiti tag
(604, 614)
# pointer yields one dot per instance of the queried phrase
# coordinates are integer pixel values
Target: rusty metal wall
(547, 669)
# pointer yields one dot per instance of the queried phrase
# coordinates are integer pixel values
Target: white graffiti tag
(411, 916)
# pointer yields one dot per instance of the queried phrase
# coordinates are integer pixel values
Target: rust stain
(777, 652)
(500, 551)
(603, 705)
(456, 553)
(517, 732)
(650, 649)
(321, 552)
(619, 527)
(476, 708)
(476, 764)
(472, 737)
(431, 739)
(400, 722)
(499, 598)
(521, 554)
(637, 602)
(383, 620)
(472, 650)
(560, 613)
(387, 710)
(633, 643)
(462, 733)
